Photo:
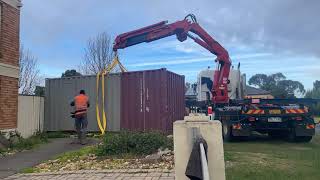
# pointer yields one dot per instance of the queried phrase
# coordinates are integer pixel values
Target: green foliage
(70, 73)
(277, 85)
(133, 143)
(39, 91)
(76, 154)
(29, 143)
(17, 143)
(28, 170)
(316, 84)
(315, 94)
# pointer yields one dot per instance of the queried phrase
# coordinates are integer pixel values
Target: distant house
(253, 92)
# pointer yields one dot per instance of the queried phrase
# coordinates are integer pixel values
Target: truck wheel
(304, 138)
(292, 135)
(226, 131)
(294, 138)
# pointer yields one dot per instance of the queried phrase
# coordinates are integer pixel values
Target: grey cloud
(268, 25)
(271, 25)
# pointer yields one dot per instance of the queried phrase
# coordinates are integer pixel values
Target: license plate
(274, 119)
(275, 111)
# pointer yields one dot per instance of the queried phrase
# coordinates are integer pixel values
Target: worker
(81, 103)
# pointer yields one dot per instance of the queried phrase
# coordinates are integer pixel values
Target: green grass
(28, 170)
(76, 154)
(270, 159)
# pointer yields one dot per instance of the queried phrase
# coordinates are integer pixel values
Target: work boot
(83, 140)
(78, 139)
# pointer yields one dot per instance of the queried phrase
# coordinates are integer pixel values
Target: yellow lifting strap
(103, 126)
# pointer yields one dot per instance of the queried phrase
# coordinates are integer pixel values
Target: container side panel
(132, 101)
(60, 93)
(176, 100)
(153, 98)
(112, 102)
(63, 109)
(88, 84)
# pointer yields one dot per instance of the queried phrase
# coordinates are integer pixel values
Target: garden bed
(122, 150)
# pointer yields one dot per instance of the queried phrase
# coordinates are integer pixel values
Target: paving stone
(131, 174)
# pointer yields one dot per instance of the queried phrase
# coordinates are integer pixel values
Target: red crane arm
(181, 29)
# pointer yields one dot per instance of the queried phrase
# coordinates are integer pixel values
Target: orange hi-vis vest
(81, 104)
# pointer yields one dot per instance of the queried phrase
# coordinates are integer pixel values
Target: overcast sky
(266, 36)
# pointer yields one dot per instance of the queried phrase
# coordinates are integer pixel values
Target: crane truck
(239, 117)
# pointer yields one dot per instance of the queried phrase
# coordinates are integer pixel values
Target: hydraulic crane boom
(181, 29)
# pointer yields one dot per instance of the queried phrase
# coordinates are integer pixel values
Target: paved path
(132, 174)
(12, 164)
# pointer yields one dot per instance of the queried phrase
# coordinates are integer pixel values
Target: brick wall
(9, 41)
(8, 102)
(9, 54)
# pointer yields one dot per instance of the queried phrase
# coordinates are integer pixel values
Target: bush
(29, 143)
(133, 143)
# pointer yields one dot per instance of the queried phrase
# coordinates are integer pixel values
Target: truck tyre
(304, 138)
(294, 138)
(226, 131)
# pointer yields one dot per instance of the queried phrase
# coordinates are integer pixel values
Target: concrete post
(184, 132)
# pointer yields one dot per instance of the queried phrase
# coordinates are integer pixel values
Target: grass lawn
(272, 159)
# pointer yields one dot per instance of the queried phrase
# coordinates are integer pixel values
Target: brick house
(9, 62)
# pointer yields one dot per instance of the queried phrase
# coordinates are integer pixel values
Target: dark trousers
(81, 124)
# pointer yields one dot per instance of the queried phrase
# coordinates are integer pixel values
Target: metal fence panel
(30, 115)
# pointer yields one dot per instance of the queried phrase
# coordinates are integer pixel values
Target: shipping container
(60, 92)
(151, 100)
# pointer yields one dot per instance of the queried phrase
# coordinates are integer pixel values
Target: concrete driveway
(12, 164)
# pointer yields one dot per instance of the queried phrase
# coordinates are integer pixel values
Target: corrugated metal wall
(138, 101)
(176, 98)
(30, 115)
(60, 92)
(151, 100)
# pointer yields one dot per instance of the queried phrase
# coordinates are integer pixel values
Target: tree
(71, 73)
(29, 76)
(316, 85)
(39, 91)
(315, 94)
(98, 54)
(277, 85)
